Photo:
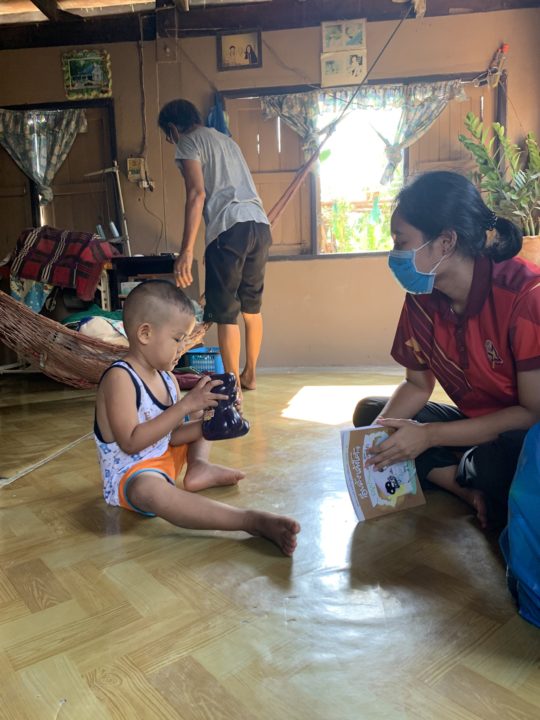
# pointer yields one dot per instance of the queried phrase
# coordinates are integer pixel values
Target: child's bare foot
(201, 475)
(247, 381)
(278, 529)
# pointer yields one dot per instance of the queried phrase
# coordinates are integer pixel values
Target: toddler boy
(143, 439)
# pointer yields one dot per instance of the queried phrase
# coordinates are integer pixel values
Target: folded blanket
(65, 258)
(100, 328)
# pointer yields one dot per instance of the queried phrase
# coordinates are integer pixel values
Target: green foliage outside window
(360, 227)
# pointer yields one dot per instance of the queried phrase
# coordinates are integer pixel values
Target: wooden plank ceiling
(39, 23)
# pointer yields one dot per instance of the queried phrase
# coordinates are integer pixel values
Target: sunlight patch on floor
(331, 404)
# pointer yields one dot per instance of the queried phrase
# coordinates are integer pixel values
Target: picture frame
(343, 68)
(87, 74)
(343, 35)
(239, 50)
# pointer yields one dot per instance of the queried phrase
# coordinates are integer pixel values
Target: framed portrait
(238, 51)
(87, 74)
(343, 68)
(344, 35)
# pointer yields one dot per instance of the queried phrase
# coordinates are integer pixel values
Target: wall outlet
(136, 171)
(146, 184)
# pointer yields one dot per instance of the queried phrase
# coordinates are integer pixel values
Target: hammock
(60, 353)
(75, 359)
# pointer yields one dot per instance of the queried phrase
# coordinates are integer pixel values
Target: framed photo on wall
(239, 51)
(87, 74)
(343, 68)
(344, 35)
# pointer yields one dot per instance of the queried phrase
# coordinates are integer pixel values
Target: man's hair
(180, 113)
(151, 302)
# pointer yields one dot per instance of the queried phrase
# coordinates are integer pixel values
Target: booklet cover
(377, 492)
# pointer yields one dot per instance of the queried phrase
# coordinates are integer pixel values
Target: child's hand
(201, 396)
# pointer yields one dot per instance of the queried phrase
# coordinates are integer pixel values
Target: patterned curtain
(365, 97)
(39, 141)
(299, 111)
(423, 103)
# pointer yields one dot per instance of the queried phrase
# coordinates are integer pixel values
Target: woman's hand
(409, 440)
(201, 396)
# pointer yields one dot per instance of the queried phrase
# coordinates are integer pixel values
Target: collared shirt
(231, 196)
(476, 356)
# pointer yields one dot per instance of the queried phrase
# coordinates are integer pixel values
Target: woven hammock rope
(63, 354)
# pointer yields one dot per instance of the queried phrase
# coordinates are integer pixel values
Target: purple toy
(224, 421)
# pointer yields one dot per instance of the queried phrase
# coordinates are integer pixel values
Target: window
(355, 207)
(342, 207)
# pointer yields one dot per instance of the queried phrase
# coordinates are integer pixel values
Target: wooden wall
(328, 311)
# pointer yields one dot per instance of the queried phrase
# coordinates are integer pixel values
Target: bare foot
(278, 529)
(239, 402)
(476, 499)
(201, 475)
(247, 381)
(479, 504)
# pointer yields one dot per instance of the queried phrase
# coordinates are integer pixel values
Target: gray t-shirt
(231, 196)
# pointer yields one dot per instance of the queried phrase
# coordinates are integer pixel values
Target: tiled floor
(107, 615)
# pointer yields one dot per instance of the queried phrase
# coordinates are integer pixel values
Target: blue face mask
(403, 264)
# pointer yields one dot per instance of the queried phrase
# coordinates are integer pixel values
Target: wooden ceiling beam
(51, 10)
(274, 15)
(87, 31)
(282, 14)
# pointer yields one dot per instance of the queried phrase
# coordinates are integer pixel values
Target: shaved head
(152, 302)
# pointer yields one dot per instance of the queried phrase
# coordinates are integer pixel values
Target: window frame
(500, 114)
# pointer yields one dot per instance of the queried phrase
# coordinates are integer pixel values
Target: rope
(280, 206)
(7, 481)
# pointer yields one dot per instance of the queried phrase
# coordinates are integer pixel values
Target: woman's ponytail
(506, 243)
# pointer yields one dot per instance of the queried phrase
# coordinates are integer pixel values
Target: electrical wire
(284, 65)
(156, 245)
(147, 183)
(509, 100)
(197, 68)
(140, 49)
(332, 126)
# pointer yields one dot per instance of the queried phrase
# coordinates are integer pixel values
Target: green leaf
(324, 155)
(508, 178)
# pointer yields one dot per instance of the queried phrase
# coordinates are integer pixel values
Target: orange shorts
(169, 465)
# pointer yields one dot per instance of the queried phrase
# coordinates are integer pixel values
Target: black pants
(488, 467)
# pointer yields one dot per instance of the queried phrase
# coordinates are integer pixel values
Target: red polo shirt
(476, 356)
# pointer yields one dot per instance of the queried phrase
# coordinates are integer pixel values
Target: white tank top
(113, 461)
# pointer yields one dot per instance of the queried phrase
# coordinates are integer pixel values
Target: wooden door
(82, 202)
(15, 203)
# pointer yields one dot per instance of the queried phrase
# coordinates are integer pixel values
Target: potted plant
(509, 176)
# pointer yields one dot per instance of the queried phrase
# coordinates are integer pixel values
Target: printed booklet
(377, 492)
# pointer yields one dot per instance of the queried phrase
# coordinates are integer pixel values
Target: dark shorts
(489, 467)
(235, 264)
